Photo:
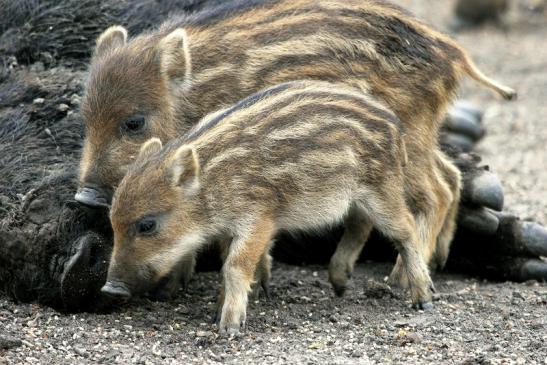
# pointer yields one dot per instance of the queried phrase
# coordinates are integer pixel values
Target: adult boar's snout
(85, 271)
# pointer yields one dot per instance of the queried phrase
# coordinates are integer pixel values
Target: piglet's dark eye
(146, 226)
(133, 124)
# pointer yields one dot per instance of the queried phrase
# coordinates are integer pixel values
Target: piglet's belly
(312, 212)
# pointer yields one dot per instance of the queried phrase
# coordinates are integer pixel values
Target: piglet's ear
(175, 56)
(153, 145)
(185, 169)
(112, 38)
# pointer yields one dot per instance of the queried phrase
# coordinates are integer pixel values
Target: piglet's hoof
(428, 306)
(479, 220)
(165, 290)
(265, 285)
(339, 277)
(484, 190)
(259, 291)
(232, 329)
(232, 321)
(339, 290)
(160, 295)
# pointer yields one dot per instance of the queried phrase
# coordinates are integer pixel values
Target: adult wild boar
(55, 252)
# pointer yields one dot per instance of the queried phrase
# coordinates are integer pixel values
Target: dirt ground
(303, 323)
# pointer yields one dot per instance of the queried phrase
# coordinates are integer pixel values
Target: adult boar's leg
(462, 127)
(490, 242)
(512, 252)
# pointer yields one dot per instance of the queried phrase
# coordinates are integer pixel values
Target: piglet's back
(298, 140)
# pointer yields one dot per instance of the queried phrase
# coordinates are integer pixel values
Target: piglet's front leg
(238, 273)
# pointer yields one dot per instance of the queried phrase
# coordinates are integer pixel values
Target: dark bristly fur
(299, 156)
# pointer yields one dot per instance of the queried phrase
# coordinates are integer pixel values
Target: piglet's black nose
(93, 197)
(116, 290)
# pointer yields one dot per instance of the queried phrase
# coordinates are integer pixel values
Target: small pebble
(62, 107)
(7, 342)
(414, 337)
(81, 351)
(204, 333)
(75, 99)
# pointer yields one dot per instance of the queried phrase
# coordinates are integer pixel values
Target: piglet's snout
(93, 196)
(117, 290)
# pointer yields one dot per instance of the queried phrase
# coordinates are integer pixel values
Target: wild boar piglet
(299, 156)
